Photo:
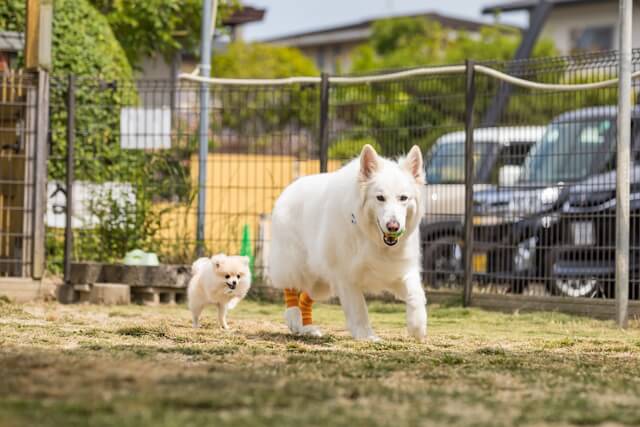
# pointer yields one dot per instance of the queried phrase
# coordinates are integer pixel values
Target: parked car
(525, 232)
(580, 260)
(499, 153)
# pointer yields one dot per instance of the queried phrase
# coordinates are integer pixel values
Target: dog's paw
(418, 332)
(311, 331)
(365, 334)
(417, 322)
(369, 338)
(293, 319)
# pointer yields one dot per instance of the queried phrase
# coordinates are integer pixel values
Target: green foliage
(347, 149)
(151, 26)
(256, 60)
(266, 110)
(122, 225)
(410, 42)
(12, 13)
(82, 43)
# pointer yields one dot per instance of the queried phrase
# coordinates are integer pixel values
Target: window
(320, 58)
(335, 66)
(591, 39)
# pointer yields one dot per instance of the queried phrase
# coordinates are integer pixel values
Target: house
(331, 48)
(576, 26)
(11, 43)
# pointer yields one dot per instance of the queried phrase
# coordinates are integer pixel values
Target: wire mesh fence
(549, 227)
(17, 142)
(543, 206)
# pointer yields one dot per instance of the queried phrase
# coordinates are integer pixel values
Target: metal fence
(542, 188)
(17, 153)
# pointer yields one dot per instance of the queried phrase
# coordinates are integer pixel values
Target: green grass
(134, 366)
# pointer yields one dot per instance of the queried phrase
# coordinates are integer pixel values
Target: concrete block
(23, 290)
(66, 294)
(155, 296)
(136, 275)
(112, 273)
(110, 293)
(169, 276)
(85, 273)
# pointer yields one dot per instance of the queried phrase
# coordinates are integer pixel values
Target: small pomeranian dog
(222, 280)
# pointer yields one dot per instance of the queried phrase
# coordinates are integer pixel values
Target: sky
(285, 17)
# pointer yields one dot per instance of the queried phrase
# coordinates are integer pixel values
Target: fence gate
(17, 149)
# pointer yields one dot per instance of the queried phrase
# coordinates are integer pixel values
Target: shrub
(347, 149)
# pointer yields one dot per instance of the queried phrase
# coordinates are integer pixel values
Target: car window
(511, 155)
(589, 144)
(446, 162)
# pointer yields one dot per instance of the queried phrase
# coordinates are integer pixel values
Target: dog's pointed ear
(369, 162)
(414, 164)
(217, 260)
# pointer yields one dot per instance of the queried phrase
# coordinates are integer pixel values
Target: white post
(209, 8)
(623, 164)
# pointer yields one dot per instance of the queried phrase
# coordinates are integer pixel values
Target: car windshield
(446, 163)
(569, 152)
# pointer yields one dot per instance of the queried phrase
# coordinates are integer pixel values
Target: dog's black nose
(234, 282)
(393, 226)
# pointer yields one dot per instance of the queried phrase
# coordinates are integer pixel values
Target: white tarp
(83, 194)
(145, 128)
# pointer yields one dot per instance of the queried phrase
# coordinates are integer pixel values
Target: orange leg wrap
(306, 308)
(291, 297)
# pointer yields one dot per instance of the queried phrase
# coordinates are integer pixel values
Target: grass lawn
(135, 366)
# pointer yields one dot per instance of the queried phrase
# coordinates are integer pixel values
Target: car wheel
(582, 287)
(443, 265)
(575, 287)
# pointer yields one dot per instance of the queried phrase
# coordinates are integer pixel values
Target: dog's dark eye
(227, 276)
(380, 198)
(404, 198)
(238, 276)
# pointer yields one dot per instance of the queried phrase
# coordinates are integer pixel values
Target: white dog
(351, 232)
(221, 280)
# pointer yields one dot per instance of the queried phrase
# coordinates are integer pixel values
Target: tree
(411, 42)
(267, 109)
(158, 26)
(257, 60)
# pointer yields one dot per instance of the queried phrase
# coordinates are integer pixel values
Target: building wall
(240, 188)
(333, 58)
(563, 21)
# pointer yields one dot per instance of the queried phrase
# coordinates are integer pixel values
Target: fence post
(468, 180)
(324, 122)
(206, 34)
(40, 186)
(71, 135)
(623, 159)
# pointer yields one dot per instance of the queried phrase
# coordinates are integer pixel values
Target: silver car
(498, 156)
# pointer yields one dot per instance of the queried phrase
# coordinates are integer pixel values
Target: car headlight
(549, 196)
(534, 202)
(525, 256)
